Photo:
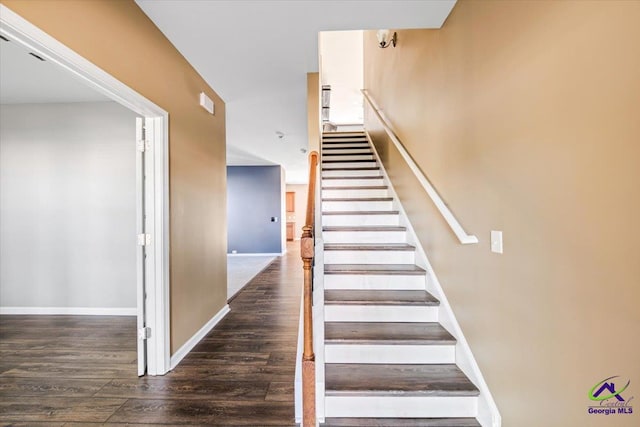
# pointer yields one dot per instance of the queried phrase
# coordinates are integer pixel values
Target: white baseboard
(259, 254)
(177, 357)
(77, 311)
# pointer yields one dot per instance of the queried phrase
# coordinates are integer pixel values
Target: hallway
(241, 373)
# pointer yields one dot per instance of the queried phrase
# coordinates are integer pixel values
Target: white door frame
(17, 29)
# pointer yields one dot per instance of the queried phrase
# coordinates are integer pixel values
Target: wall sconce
(385, 38)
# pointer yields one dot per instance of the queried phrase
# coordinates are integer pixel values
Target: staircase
(388, 362)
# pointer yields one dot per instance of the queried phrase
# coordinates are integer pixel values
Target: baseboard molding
(76, 311)
(259, 254)
(177, 357)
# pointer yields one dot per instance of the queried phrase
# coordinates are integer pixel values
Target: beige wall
(526, 117)
(118, 37)
(300, 207)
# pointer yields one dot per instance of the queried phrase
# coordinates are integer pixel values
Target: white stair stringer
(346, 208)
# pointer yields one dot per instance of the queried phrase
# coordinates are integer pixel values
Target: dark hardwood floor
(77, 371)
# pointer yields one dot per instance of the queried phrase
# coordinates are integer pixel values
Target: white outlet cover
(496, 241)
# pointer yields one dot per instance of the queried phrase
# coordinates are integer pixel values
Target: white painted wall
(67, 206)
(341, 55)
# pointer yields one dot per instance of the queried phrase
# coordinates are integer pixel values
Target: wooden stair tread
(346, 147)
(366, 168)
(378, 297)
(357, 199)
(349, 161)
(362, 187)
(352, 177)
(342, 379)
(400, 422)
(361, 213)
(368, 247)
(376, 269)
(339, 154)
(337, 141)
(353, 136)
(387, 333)
(363, 228)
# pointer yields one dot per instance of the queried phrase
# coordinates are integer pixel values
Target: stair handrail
(307, 251)
(442, 207)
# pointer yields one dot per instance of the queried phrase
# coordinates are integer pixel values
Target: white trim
(448, 216)
(488, 413)
(258, 254)
(76, 311)
(177, 357)
(14, 27)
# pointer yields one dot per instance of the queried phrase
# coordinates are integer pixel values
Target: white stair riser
(401, 407)
(329, 136)
(345, 146)
(364, 156)
(353, 182)
(380, 313)
(389, 354)
(338, 206)
(344, 141)
(369, 257)
(394, 282)
(342, 165)
(356, 172)
(360, 220)
(330, 151)
(364, 236)
(373, 192)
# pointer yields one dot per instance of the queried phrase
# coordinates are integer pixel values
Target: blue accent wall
(254, 196)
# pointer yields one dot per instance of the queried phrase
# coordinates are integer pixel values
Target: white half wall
(67, 206)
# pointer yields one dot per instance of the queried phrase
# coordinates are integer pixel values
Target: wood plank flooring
(81, 370)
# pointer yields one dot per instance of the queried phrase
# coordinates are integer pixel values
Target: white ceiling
(255, 54)
(25, 79)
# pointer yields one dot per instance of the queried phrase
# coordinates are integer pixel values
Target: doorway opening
(150, 240)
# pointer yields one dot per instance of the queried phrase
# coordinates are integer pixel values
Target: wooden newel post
(307, 251)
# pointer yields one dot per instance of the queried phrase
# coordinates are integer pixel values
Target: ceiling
(255, 54)
(25, 79)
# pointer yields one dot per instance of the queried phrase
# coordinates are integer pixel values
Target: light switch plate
(496, 241)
